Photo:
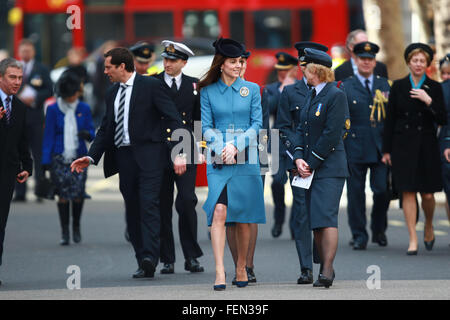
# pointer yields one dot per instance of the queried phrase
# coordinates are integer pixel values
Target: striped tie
(118, 135)
(8, 109)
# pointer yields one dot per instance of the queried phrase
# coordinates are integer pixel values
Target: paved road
(35, 265)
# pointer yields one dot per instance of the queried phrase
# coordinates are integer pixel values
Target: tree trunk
(441, 9)
(385, 27)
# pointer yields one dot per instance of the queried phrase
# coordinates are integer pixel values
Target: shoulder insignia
(390, 83)
(347, 124)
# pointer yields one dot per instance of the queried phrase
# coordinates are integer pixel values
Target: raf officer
(286, 72)
(184, 91)
(292, 100)
(367, 95)
(143, 56)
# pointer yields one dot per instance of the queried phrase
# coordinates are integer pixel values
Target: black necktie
(313, 94)
(368, 88)
(174, 86)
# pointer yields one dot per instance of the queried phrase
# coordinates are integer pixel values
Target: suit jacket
(14, 148)
(39, 80)
(318, 138)
(150, 104)
(365, 139)
(271, 97)
(345, 70)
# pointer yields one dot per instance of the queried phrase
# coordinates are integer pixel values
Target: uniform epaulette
(390, 82)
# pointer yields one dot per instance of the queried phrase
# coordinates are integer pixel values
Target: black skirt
(68, 185)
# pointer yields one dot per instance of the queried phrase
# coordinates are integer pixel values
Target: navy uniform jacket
(271, 96)
(39, 80)
(365, 139)
(445, 130)
(292, 101)
(318, 138)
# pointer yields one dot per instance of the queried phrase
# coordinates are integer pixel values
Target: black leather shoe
(325, 281)
(276, 230)
(359, 246)
(140, 274)
(149, 267)
(429, 244)
(168, 268)
(380, 238)
(193, 265)
(250, 275)
(306, 277)
(76, 234)
(317, 284)
(351, 243)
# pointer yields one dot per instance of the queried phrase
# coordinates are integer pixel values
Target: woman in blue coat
(320, 152)
(68, 124)
(231, 119)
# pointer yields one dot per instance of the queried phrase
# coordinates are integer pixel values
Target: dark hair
(68, 84)
(213, 73)
(121, 55)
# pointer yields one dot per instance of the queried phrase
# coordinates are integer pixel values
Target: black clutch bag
(45, 188)
(392, 192)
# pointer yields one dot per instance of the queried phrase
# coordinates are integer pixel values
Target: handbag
(45, 188)
(391, 191)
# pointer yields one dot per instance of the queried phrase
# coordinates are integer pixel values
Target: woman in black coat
(415, 109)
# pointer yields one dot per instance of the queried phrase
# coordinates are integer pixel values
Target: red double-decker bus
(265, 26)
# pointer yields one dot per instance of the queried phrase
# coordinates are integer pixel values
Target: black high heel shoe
(221, 287)
(429, 244)
(325, 281)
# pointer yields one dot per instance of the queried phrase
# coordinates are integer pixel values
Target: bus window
(50, 35)
(306, 24)
(355, 14)
(237, 26)
(201, 24)
(111, 28)
(154, 24)
(272, 29)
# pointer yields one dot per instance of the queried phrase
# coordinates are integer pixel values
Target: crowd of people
(334, 126)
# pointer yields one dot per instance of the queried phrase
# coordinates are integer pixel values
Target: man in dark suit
(134, 143)
(37, 87)
(15, 159)
(349, 67)
(183, 90)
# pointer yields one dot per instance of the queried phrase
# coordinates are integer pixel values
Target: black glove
(85, 135)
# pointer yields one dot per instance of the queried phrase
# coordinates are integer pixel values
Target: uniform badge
(319, 108)
(170, 48)
(79, 115)
(194, 85)
(36, 82)
(347, 124)
(281, 58)
(260, 147)
(244, 91)
(367, 47)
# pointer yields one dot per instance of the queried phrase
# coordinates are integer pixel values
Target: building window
(272, 29)
(306, 24)
(201, 24)
(111, 28)
(237, 26)
(153, 25)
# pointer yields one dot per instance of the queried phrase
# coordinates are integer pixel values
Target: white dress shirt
(168, 80)
(129, 89)
(363, 80)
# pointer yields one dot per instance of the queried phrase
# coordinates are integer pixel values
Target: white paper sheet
(304, 183)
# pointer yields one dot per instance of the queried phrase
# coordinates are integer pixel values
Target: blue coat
(233, 114)
(53, 142)
(318, 139)
(365, 139)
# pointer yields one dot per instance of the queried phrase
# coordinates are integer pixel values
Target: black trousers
(140, 186)
(185, 203)
(35, 136)
(7, 182)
